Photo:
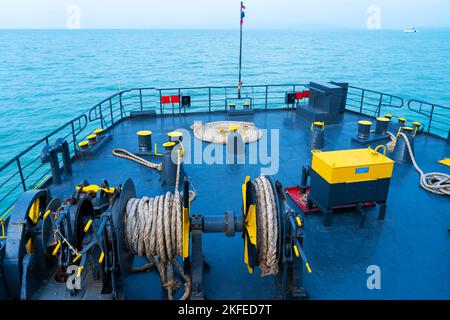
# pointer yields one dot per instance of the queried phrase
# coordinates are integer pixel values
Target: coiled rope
(435, 182)
(125, 154)
(267, 224)
(153, 228)
(217, 132)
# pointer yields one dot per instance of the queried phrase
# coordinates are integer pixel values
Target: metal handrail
(46, 138)
(98, 106)
(19, 163)
(432, 113)
(372, 101)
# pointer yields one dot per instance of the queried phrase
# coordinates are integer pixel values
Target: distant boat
(411, 30)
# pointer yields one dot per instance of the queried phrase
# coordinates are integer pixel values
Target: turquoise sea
(48, 77)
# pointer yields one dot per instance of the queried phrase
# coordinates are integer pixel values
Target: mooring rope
(267, 224)
(125, 154)
(435, 182)
(393, 143)
(153, 228)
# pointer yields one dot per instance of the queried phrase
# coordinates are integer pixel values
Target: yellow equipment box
(445, 162)
(348, 166)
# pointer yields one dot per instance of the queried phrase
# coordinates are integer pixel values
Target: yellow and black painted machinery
(344, 178)
(88, 233)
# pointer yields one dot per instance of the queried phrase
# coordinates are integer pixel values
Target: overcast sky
(223, 13)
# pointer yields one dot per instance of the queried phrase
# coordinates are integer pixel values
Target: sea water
(48, 77)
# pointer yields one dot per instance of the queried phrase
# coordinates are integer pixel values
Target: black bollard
(49, 155)
(92, 139)
(317, 138)
(235, 145)
(175, 136)
(99, 132)
(62, 146)
(145, 140)
(381, 126)
(169, 166)
(364, 129)
(401, 152)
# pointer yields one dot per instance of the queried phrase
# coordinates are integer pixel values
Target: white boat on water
(411, 30)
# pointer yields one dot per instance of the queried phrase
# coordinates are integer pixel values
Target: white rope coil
(153, 228)
(125, 154)
(217, 132)
(435, 182)
(267, 224)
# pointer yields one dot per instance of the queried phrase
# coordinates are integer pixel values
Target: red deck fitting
(301, 199)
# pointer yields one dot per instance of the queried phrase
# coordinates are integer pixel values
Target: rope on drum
(153, 228)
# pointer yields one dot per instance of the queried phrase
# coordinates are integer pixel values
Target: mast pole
(240, 55)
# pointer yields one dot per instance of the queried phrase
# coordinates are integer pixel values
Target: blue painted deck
(412, 246)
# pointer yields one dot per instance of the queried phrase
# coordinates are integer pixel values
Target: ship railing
(212, 99)
(372, 103)
(203, 99)
(26, 172)
(209, 99)
(435, 118)
(107, 111)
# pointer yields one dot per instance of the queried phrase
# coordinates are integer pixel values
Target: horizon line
(306, 27)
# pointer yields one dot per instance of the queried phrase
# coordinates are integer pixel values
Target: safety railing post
(379, 105)
(160, 102)
(267, 96)
(111, 111)
(74, 139)
(362, 100)
(209, 99)
(294, 89)
(101, 115)
(22, 179)
(121, 105)
(140, 99)
(179, 101)
(431, 119)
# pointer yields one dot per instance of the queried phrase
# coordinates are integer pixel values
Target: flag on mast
(243, 8)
